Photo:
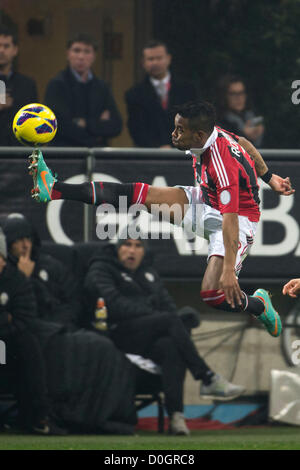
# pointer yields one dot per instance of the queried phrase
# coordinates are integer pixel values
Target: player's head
(194, 122)
(8, 46)
(81, 52)
(156, 59)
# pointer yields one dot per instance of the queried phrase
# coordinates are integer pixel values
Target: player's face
(156, 61)
(183, 137)
(236, 97)
(8, 50)
(21, 247)
(81, 57)
(131, 254)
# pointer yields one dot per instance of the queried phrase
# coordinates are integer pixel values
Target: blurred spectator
(25, 361)
(84, 105)
(91, 384)
(234, 113)
(142, 319)
(54, 286)
(20, 89)
(150, 102)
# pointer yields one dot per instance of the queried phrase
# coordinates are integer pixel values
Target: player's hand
(230, 286)
(292, 288)
(280, 185)
(26, 265)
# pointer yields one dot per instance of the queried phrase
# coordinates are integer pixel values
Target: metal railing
(131, 152)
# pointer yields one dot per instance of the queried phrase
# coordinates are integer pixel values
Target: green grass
(266, 438)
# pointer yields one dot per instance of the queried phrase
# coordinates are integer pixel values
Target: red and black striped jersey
(227, 176)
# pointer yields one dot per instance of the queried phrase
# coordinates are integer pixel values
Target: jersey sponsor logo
(225, 197)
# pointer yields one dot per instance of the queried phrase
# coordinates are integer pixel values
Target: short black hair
(83, 38)
(155, 43)
(8, 31)
(201, 115)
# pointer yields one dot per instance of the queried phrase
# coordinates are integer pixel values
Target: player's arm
(292, 288)
(280, 185)
(228, 280)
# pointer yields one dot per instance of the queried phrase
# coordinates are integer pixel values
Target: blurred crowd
(87, 111)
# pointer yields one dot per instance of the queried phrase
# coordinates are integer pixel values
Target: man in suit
(150, 102)
(19, 89)
(84, 105)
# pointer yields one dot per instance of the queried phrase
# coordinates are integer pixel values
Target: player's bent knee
(213, 298)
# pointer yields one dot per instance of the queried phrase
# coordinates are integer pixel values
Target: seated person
(54, 286)
(142, 319)
(234, 113)
(91, 384)
(24, 361)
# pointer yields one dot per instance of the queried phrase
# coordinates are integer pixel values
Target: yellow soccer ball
(34, 125)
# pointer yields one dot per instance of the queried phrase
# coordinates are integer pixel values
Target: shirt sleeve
(226, 178)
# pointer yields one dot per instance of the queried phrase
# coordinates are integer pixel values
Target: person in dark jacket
(83, 104)
(91, 383)
(142, 319)
(54, 285)
(20, 89)
(25, 365)
(150, 102)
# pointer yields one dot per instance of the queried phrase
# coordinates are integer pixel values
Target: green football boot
(269, 318)
(43, 179)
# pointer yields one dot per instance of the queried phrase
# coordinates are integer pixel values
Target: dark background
(257, 39)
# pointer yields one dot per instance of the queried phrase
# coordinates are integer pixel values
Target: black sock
(249, 304)
(94, 193)
(253, 305)
(207, 377)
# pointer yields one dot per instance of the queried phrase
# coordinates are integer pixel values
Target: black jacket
(149, 124)
(128, 295)
(70, 99)
(23, 90)
(91, 384)
(55, 291)
(17, 299)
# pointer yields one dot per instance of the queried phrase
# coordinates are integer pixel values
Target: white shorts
(206, 222)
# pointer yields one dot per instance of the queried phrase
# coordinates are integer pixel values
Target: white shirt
(161, 86)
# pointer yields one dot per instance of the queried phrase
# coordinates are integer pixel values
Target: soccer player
(228, 195)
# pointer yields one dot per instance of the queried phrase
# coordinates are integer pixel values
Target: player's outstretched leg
(172, 201)
(269, 318)
(47, 188)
